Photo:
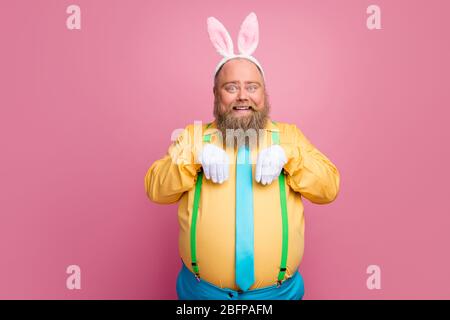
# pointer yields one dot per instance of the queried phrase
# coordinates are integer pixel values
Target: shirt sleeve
(309, 172)
(168, 178)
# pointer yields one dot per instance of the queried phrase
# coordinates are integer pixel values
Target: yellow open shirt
(309, 173)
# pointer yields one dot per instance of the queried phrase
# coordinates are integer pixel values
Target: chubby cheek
(227, 100)
(258, 100)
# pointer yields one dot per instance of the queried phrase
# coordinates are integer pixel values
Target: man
(241, 213)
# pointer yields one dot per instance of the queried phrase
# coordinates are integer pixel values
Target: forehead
(240, 70)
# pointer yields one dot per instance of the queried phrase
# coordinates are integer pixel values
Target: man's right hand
(215, 163)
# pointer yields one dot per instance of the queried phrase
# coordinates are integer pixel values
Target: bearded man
(239, 181)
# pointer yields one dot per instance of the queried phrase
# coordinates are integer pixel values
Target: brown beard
(225, 120)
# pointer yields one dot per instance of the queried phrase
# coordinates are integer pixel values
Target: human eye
(231, 88)
(252, 88)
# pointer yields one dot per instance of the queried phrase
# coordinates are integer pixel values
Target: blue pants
(189, 288)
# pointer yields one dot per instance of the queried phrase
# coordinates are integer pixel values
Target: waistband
(189, 288)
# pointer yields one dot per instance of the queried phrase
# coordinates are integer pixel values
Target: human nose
(242, 94)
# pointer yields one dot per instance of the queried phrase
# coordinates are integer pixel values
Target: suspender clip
(195, 269)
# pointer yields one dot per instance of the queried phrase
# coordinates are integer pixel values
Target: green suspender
(284, 216)
(198, 188)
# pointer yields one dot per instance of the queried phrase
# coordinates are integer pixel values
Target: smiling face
(241, 100)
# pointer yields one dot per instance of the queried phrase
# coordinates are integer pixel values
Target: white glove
(269, 164)
(215, 163)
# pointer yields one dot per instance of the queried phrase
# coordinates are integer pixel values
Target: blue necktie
(245, 275)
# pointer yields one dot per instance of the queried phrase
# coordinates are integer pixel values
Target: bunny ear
(220, 37)
(248, 35)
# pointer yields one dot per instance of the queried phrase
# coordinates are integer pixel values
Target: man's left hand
(269, 164)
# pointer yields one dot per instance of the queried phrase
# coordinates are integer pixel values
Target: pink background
(84, 113)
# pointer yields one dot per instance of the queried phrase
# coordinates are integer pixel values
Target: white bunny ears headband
(247, 40)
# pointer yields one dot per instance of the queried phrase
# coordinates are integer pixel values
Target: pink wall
(84, 113)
